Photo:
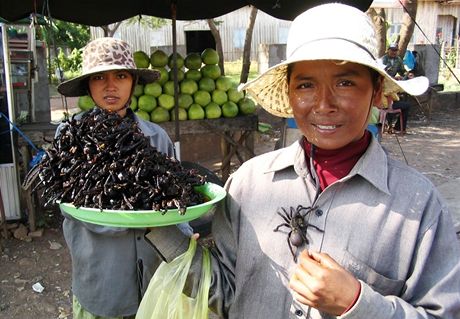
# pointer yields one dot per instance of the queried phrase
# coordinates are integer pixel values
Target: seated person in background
(395, 68)
(394, 64)
(410, 75)
(418, 69)
(402, 104)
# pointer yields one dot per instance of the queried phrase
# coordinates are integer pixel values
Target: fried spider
(295, 220)
(104, 161)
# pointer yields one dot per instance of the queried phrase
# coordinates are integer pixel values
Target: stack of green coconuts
(204, 93)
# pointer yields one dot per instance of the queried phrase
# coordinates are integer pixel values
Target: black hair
(375, 76)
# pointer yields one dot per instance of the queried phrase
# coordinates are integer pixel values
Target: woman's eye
(123, 75)
(97, 77)
(304, 85)
(345, 83)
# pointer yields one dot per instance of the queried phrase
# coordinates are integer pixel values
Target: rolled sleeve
(168, 241)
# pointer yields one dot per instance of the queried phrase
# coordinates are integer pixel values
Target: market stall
(236, 133)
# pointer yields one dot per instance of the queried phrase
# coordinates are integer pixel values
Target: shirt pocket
(380, 283)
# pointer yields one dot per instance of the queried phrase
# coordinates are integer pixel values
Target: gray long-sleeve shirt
(112, 266)
(384, 222)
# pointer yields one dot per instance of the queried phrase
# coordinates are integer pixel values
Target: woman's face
(331, 101)
(111, 90)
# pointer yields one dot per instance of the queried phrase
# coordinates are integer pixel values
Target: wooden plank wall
(431, 15)
(267, 30)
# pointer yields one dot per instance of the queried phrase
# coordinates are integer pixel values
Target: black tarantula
(294, 219)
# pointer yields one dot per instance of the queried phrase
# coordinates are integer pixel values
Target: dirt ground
(432, 147)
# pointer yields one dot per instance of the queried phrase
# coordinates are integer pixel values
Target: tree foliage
(143, 20)
(148, 21)
(70, 62)
(65, 34)
(64, 41)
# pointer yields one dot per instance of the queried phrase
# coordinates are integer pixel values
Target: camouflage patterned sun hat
(101, 55)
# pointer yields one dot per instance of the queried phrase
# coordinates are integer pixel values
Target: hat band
(337, 38)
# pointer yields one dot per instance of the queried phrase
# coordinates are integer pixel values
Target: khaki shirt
(394, 65)
(384, 222)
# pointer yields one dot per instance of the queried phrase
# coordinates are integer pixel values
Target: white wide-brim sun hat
(327, 32)
(101, 55)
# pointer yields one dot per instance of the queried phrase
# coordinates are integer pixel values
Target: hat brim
(78, 85)
(270, 89)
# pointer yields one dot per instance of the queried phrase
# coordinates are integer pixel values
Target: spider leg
(291, 248)
(281, 225)
(315, 227)
(304, 236)
(307, 210)
(287, 220)
(100, 201)
(284, 216)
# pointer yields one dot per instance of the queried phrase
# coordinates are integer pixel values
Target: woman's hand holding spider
(320, 282)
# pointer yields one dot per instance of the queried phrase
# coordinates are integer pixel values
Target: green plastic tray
(144, 218)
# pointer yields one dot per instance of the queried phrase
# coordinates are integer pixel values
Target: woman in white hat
(330, 226)
(111, 266)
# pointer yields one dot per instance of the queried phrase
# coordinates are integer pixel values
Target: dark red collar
(332, 165)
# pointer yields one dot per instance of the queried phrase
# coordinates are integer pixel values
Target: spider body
(294, 220)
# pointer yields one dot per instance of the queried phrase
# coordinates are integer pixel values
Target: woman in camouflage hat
(111, 266)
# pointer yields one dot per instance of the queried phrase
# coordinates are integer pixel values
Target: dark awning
(103, 12)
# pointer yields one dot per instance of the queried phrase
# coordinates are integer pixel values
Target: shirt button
(298, 313)
(318, 212)
(138, 237)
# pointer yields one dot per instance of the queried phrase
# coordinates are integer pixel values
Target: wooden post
(2, 213)
(226, 162)
(249, 143)
(27, 194)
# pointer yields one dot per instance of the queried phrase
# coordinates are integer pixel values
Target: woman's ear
(133, 87)
(378, 89)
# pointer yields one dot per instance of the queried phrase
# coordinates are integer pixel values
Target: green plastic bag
(164, 298)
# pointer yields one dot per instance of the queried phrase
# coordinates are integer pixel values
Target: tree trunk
(247, 46)
(216, 34)
(108, 31)
(378, 17)
(48, 56)
(105, 28)
(408, 24)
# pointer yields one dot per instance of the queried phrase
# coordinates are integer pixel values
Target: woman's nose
(325, 101)
(110, 82)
